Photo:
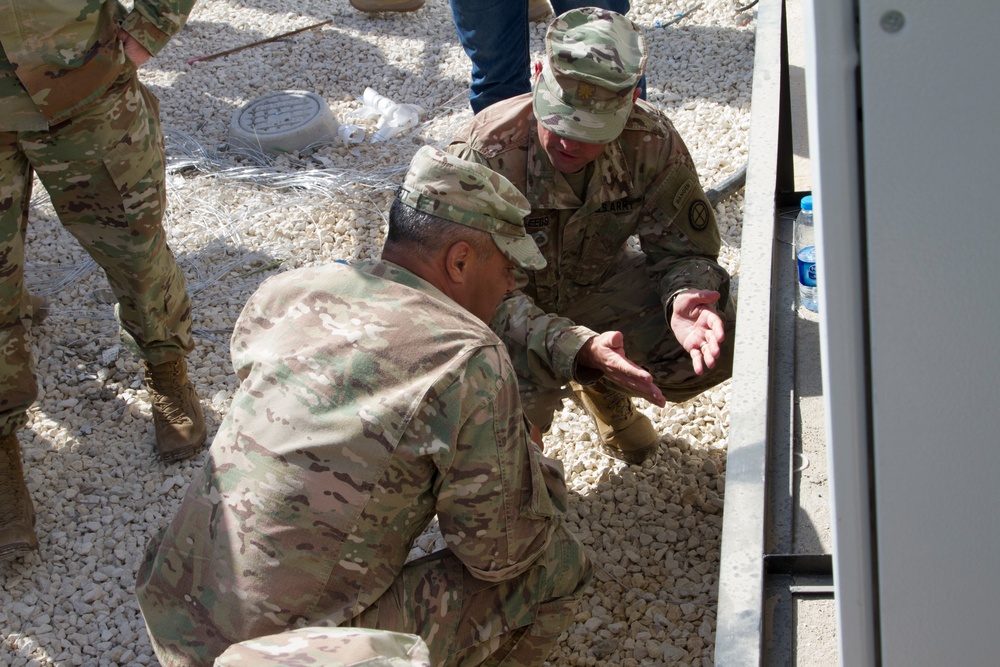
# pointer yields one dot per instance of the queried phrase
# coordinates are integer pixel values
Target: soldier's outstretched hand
(606, 352)
(698, 327)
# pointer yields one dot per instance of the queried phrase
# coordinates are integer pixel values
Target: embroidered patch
(585, 91)
(618, 206)
(540, 238)
(536, 223)
(698, 215)
(682, 193)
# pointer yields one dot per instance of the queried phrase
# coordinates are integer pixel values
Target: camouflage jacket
(369, 402)
(60, 55)
(643, 184)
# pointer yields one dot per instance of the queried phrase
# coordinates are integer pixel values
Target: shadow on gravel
(653, 532)
(332, 63)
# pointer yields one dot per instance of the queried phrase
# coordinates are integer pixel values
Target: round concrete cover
(285, 121)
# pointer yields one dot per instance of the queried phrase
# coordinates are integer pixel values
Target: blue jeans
(494, 34)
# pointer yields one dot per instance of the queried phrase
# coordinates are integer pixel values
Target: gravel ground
(98, 487)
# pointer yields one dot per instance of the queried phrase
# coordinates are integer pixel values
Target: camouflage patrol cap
(470, 194)
(593, 61)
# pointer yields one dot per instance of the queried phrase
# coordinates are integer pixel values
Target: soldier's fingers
(708, 357)
(649, 393)
(718, 327)
(711, 345)
(696, 361)
(656, 397)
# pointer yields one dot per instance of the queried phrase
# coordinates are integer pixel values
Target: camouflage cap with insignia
(470, 194)
(593, 61)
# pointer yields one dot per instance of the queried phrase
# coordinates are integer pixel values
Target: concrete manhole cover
(285, 121)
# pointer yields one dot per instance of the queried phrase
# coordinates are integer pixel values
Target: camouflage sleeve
(153, 22)
(493, 506)
(679, 234)
(543, 346)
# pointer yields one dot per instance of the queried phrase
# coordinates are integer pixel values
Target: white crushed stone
(99, 489)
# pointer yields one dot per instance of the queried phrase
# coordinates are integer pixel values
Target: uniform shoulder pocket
(678, 200)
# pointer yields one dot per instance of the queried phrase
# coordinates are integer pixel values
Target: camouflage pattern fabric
(594, 58)
(469, 194)
(628, 302)
(67, 53)
(370, 402)
(643, 184)
(467, 621)
(331, 647)
(104, 171)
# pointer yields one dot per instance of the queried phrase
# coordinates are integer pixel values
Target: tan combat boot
(177, 414)
(17, 513)
(625, 433)
(371, 6)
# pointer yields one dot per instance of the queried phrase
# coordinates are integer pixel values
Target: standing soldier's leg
(495, 36)
(18, 387)
(104, 171)
(466, 621)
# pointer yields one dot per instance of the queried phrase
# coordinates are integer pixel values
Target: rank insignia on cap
(585, 91)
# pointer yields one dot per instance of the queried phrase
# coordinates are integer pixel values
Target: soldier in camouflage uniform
(373, 398)
(73, 112)
(597, 167)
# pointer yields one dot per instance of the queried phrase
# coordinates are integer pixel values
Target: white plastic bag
(393, 118)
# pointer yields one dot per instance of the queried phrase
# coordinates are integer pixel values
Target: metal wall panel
(930, 98)
(832, 62)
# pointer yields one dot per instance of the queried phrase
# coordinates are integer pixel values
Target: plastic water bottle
(805, 254)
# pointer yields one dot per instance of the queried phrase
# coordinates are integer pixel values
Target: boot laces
(168, 393)
(618, 403)
(171, 408)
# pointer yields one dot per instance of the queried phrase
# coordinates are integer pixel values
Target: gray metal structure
(904, 102)
(761, 574)
(908, 221)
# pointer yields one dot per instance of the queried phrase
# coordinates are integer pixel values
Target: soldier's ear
(457, 261)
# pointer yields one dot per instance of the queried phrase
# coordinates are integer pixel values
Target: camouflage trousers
(628, 302)
(466, 621)
(104, 172)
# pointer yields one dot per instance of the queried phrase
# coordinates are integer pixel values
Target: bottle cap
(807, 203)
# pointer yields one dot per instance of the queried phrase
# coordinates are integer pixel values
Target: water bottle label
(806, 260)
